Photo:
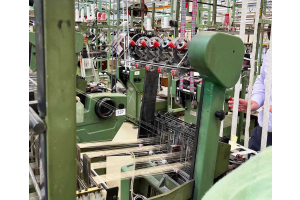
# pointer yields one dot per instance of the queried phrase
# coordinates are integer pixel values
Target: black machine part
(105, 107)
(148, 103)
(220, 114)
(35, 122)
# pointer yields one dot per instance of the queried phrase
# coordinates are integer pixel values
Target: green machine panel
(95, 128)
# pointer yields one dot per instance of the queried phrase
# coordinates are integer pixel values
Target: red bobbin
(171, 45)
(231, 98)
(132, 43)
(173, 72)
(160, 69)
(155, 44)
(181, 45)
(143, 43)
(147, 67)
(137, 66)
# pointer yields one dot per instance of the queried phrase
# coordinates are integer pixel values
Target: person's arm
(258, 93)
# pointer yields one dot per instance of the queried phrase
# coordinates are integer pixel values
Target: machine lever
(35, 122)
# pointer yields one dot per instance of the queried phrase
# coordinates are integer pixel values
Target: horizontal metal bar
(35, 122)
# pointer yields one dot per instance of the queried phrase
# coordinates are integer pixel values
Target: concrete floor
(126, 132)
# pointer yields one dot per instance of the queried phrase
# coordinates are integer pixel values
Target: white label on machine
(120, 112)
(193, 113)
(130, 88)
(137, 73)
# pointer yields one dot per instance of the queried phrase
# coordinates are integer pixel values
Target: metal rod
(156, 64)
(214, 19)
(212, 4)
(153, 15)
(35, 184)
(102, 182)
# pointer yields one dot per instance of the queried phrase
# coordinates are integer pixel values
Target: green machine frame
(55, 61)
(218, 57)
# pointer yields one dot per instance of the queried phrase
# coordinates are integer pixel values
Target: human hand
(243, 103)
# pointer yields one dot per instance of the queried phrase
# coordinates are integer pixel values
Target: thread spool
(155, 44)
(93, 10)
(173, 72)
(88, 12)
(147, 67)
(166, 21)
(171, 45)
(82, 14)
(143, 43)
(132, 43)
(160, 69)
(103, 16)
(76, 14)
(98, 16)
(226, 20)
(182, 45)
(149, 27)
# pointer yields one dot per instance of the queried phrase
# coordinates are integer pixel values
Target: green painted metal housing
(94, 128)
(59, 47)
(217, 56)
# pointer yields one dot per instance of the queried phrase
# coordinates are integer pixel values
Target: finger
(230, 102)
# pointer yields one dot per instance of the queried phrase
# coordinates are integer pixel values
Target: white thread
(251, 74)
(237, 85)
(268, 88)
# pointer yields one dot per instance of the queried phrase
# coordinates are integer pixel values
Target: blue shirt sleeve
(258, 93)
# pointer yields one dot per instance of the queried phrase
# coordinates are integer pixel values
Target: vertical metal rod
(265, 7)
(260, 52)
(153, 15)
(214, 19)
(169, 91)
(172, 7)
(233, 10)
(41, 91)
(209, 13)
(228, 4)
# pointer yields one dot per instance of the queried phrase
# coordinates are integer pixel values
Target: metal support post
(209, 13)
(153, 15)
(214, 18)
(59, 41)
(208, 141)
(169, 91)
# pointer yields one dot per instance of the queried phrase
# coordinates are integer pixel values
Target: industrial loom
(171, 159)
